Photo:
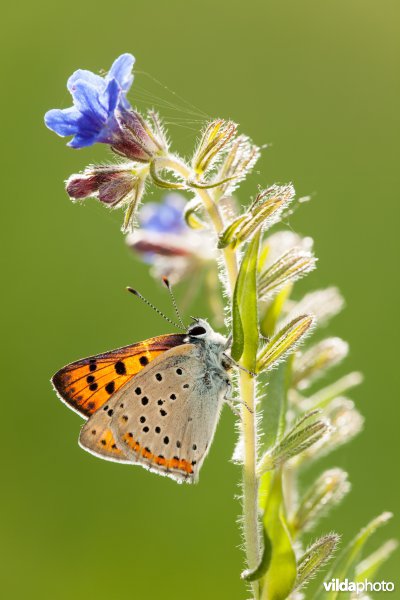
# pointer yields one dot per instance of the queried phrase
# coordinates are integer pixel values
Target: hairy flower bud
(325, 493)
(322, 397)
(302, 436)
(110, 184)
(290, 267)
(315, 361)
(324, 304)
(284, 342)
(135, 138)
(264, 212)
(315, 557)
(216, 137)
(346, 423)
(238, 162)
(113, 185)
(280, 242)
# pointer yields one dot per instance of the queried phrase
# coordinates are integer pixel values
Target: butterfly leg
(232, 405)
(234, 408)
(235, 364)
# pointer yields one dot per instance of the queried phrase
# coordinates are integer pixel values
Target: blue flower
(165, 216)
(96, 101)
(165, 241)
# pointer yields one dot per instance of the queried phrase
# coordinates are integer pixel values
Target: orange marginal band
(168, 463)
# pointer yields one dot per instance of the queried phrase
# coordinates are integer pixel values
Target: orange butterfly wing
(87, 384)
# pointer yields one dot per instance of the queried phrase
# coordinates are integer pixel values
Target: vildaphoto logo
(359, 587)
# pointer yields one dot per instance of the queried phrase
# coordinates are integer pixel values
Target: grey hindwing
(171, 408)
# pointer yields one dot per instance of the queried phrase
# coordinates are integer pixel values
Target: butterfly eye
(197, 330)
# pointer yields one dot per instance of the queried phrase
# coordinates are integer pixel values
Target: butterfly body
(162, 416)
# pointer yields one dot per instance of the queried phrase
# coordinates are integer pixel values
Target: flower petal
(81, 186)
(63, 122)
(164, 217)
(111, 96)
(121, 70)
(81, 140)
(88, 76)
(117, 189)
(87, 101)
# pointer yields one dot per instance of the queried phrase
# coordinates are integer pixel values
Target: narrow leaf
(262, 567)
(315, 361)
(280, 577)
(274, 310)
(244, 309)
(274, 405)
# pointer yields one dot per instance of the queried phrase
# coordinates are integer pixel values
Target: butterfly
(155, 403)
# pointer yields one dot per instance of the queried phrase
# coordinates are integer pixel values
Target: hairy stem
(246, 384)
(177, 165)
(250, 483)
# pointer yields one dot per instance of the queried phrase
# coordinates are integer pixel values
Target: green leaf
(261, 569)
(244, 308)
(346, 563)
(274, 406)
(273, 312)
(280, 577)
(237, 327)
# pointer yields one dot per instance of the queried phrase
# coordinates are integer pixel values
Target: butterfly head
(201, 330)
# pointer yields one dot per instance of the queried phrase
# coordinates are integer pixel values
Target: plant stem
(177, 165)
(250, 482)
(246, 384)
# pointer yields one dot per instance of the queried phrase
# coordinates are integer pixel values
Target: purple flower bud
(111, 184)
(135, 140)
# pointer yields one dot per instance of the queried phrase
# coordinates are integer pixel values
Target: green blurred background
(316, 79)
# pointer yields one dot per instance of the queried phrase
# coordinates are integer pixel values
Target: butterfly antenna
(158, 311)
(174, 304)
